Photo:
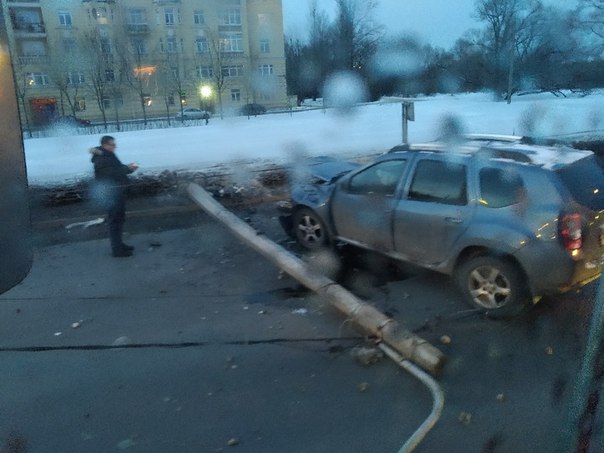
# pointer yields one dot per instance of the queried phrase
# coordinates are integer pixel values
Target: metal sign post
(408, 109)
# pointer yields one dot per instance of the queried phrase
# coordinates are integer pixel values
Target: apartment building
(144, 58)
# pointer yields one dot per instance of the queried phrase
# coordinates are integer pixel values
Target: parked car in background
(511, 221)
(252, 110)
(191, 113)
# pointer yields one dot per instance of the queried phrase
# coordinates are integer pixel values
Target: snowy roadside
(240, 145)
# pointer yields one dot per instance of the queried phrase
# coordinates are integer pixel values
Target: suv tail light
(571, 232)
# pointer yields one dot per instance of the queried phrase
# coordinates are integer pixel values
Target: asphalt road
(215, 350)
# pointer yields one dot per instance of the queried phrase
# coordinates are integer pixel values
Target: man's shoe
(127, 247)
(122, 253)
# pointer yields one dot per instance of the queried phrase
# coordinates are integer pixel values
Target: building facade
(116, 60)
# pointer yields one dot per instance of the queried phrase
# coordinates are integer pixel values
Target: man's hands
(133, 166)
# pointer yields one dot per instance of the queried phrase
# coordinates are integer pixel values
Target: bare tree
(136, 71)
(355, 33)
(510, 26)
(100, 70)
(218, 59)
(172, 81)
(68, 76)
(590, 14)
(23, 83)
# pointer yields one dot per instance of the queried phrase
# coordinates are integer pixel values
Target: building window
(198, 17)
(171, 100)
(231, 16)
(175, 73)
(265, 70)
(38, 79)
(236, 95)
(205, 72)
(75, 78)
(265, 46)
(65, 19)
(109, 75)
(139, 47)
(105, 46)
(201, 44)
(231, 42)
(171, 45)
(107, 102)
(69, 45)
(169, 16)
(136, 16)
(80, 105)
(232, 71)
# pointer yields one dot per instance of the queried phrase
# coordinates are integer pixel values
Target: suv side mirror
(15, 223)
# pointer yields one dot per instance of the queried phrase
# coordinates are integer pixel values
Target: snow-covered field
(367, 129)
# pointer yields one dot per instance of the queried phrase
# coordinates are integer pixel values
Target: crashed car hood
(327, 169)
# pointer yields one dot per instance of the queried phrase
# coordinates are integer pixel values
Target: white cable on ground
(435, 390)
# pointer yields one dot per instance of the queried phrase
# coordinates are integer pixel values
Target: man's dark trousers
(115, 218)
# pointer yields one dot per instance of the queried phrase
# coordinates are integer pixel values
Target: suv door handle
(456, 220)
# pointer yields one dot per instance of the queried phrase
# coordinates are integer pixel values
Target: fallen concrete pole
(364, 316)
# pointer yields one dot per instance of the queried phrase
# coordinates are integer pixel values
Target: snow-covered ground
(367, 129)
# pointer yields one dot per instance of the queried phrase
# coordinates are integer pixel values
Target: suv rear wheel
(493, 286)
(309, 230)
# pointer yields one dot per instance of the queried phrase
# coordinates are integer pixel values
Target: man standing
(112, 176)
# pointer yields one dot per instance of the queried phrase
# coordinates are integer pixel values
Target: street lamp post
(205, 92)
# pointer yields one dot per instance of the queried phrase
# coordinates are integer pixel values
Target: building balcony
(29, 28)
(138, 29)
(33, 60)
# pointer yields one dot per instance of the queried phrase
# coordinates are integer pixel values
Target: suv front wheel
(493, 286)
(309, 230)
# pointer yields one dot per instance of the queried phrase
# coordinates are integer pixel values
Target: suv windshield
(585, 181)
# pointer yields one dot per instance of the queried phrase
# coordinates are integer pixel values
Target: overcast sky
(439, 22)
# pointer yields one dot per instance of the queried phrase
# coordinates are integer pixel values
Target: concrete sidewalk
(216, 346)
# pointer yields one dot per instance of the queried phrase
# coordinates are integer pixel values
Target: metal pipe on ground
(438, 398)
(364, 316)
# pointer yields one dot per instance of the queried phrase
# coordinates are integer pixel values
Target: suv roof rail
(542, 141)
(400, 148)
(493, 138)
(502, 153)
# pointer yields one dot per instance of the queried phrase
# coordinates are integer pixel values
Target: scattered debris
(300, 311)
(233, 442)
(126, 443)
(465, 418)
(77, 324)
(15, 443)
(86, 225)
(18, 310)
(262, 312)
(122, 341)
(549, 350)
(445, 339)
(500, 397)
(155, 244)
(58, 334)
(363, 386)
(366, 356)
(246, 307)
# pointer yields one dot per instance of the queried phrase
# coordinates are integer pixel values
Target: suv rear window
(585, 181)
(500, 188)
(439, 182)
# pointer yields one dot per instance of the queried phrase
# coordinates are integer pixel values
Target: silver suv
(509, 219)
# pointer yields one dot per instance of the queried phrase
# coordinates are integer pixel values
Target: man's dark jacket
(108, 168)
